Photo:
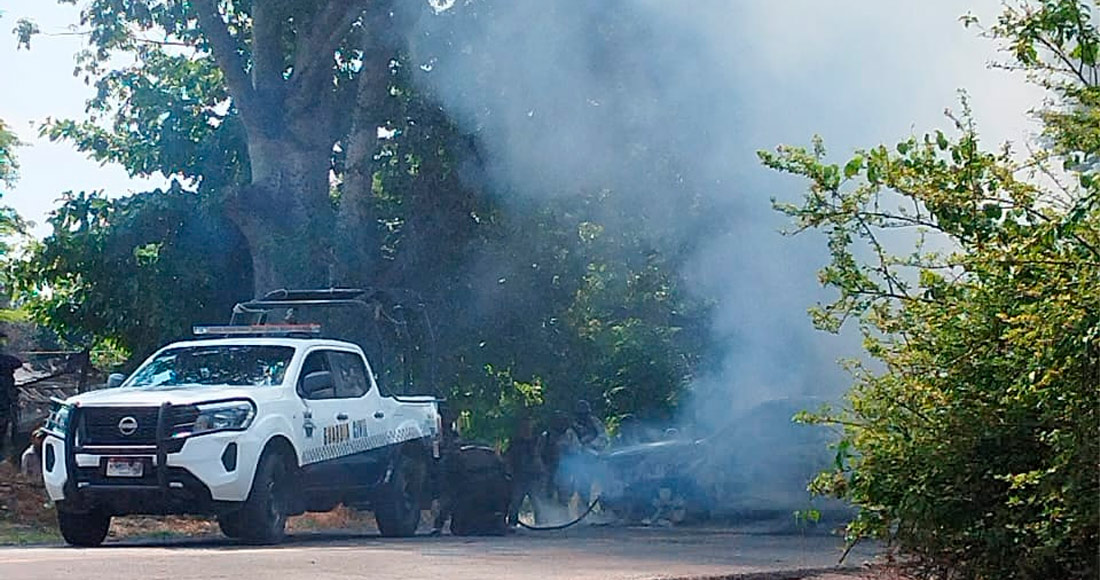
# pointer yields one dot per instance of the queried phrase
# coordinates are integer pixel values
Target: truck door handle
(342, 417)
(379, 414)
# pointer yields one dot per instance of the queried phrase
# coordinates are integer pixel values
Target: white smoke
(571, 96)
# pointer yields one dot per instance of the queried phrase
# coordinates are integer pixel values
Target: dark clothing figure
(630, 432)
(480, 490)
(9, 398)
(591, 435)
(524, 459)
(591, 432)
(561, 444)
(446, 475)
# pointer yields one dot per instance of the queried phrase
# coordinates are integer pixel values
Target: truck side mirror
(115, 379)
(318, 385)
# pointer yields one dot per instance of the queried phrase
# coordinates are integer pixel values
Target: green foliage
(974, 443)
(167, 116)
(160, 102)
(129, 273)
(12, 226)
(9, 166)
(586, 311)
(490, 406)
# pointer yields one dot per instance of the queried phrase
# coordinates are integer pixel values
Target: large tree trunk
(286, 215)
(288, 104)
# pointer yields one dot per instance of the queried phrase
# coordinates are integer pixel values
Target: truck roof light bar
(256, 329)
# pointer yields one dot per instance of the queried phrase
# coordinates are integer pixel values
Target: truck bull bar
(160, 449)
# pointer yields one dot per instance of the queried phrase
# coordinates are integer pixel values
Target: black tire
(231, 525)
(262, 520)
(398, 508)
(84, 529)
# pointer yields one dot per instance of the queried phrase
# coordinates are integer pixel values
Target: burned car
(756, 466)
(655, 482)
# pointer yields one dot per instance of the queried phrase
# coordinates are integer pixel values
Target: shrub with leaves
(971, 442)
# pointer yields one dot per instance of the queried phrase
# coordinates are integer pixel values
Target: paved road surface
(581, 553)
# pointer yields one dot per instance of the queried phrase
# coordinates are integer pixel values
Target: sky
(38, 84)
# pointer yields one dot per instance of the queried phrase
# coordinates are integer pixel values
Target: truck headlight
(58, 421)
(224, 416)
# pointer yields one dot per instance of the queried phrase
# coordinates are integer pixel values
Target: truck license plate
(125, 467)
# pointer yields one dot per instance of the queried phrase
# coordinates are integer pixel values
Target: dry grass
(27, 516)
(341, 518)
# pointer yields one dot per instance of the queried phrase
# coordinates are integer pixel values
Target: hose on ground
(561, 526)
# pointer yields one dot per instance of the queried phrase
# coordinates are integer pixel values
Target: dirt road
(580, 553)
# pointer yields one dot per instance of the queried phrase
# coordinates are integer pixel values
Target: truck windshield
(234, 365)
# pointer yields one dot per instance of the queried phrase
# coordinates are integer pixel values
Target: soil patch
(28, 517)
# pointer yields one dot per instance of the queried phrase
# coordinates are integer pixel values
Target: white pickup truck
(251, 427)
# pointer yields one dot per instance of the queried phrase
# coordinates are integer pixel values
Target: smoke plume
(667, 102)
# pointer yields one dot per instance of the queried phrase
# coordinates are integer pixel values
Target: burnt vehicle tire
(398, 509)
(675, 501)
(231, 525)
(262, 520)
(84, 529)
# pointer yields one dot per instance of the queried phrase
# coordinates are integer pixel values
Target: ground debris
(27, 516)
(865, 572)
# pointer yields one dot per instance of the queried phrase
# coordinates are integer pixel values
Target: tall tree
(250, 100)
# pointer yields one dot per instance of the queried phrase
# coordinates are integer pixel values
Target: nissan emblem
(127, 426)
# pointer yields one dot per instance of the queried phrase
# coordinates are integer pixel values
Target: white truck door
(326, 424)
(366, 460)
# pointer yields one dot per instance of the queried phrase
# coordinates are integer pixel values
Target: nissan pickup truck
(246, 423)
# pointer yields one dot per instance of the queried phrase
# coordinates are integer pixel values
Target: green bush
(972, 442)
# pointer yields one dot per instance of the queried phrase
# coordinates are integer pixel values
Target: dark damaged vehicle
(756, 466)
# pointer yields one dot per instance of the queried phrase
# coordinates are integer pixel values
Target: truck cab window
(350, 374)
(316, 361)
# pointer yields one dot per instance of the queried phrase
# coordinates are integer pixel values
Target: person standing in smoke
(630, 431)
(592, 436)
(524, 459)
(447, 473)
(591, 432)
(561, 442)
(9, 396)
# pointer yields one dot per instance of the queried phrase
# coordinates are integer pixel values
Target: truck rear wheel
(84, 529)
(262, 520)
(398, 507)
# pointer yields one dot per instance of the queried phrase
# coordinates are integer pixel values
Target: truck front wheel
(230, 524)
(262, 520)
(84, 529)
(398, 507)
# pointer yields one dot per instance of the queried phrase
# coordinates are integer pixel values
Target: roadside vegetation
(972, 444)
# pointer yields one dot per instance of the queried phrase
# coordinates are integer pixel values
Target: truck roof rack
(326, 297)
(317, 294)
(394, 328)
